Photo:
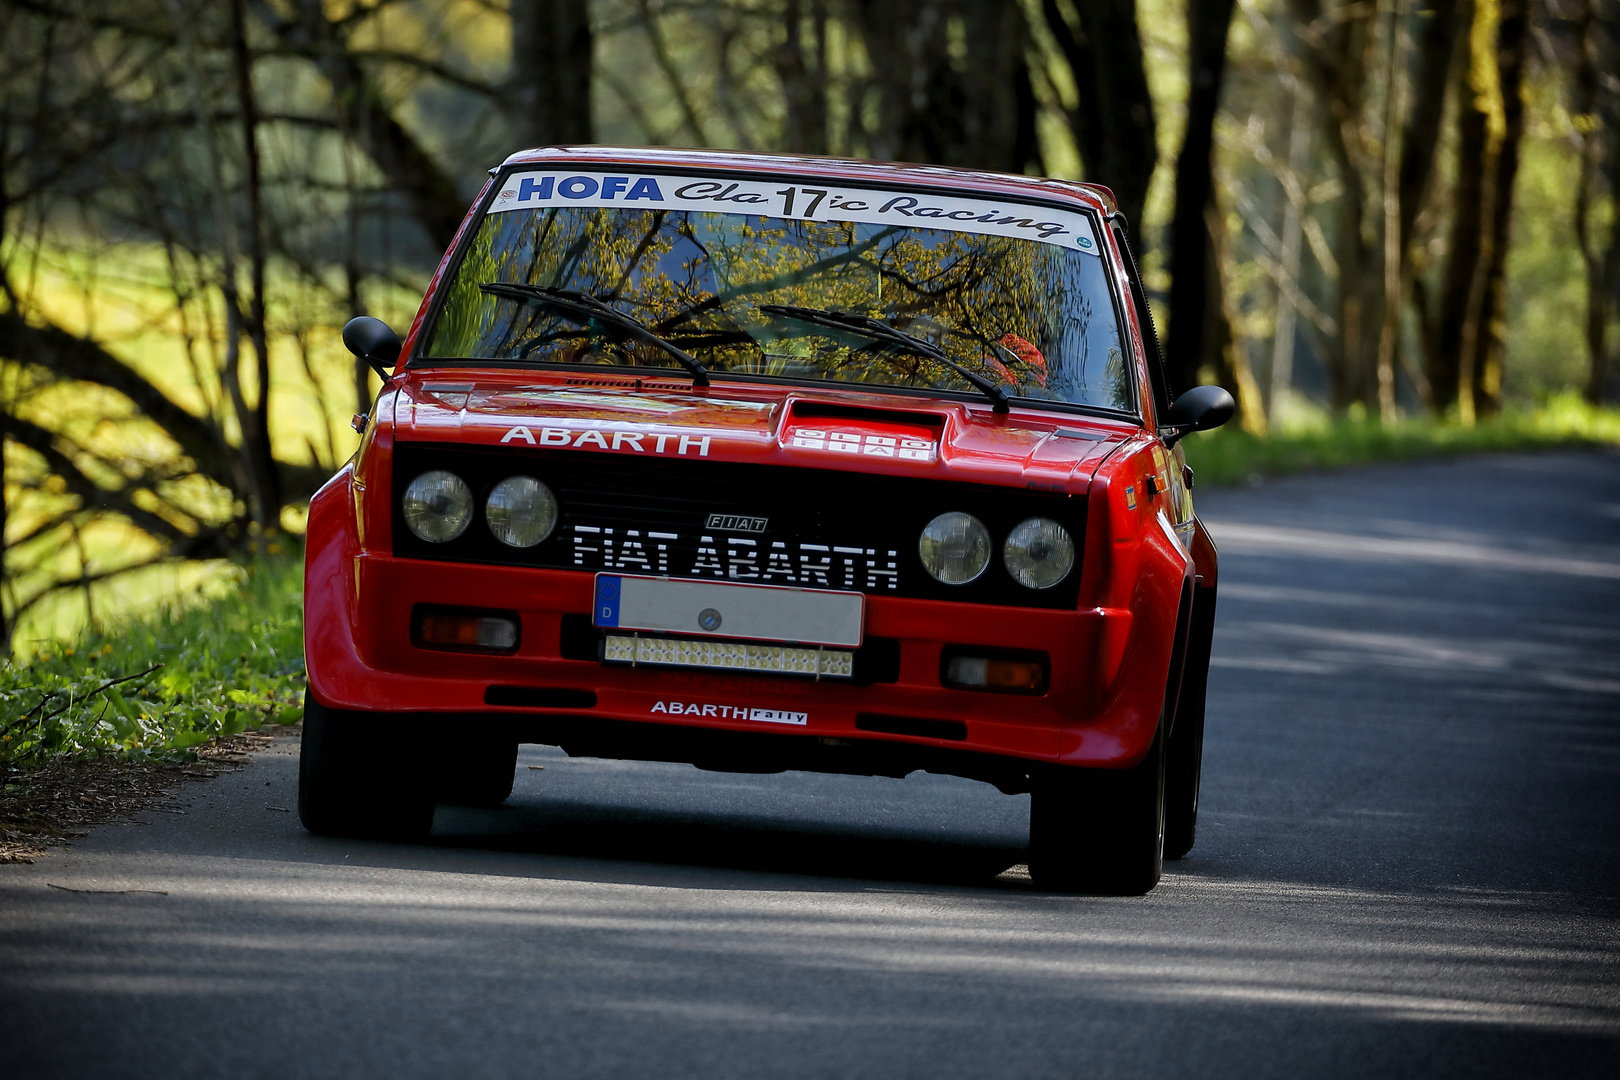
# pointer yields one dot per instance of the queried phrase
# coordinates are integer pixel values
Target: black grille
(825, 529)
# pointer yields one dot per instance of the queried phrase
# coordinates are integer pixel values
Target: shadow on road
(616, 833)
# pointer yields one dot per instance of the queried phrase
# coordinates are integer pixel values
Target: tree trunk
(1609, 284)
(1389, 332)
(1512, 48)
(1480, 127)
(1434, 54)
(1282, 348)
(5, 397)
(550, 87)
(356, 307)
(1430, 72)
(353, 277)
(1227, 354)
(999, 128)
(917, 98)
(427, 189)
(977, 113)
(801, 65)
(1113, 125)
(1189, 347)
(1336, 60)
(265, 501)
(1462, 246)
(1595, 110)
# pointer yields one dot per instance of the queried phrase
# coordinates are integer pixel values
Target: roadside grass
(1231, 455)
(156, 688)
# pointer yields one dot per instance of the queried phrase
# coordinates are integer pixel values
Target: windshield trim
(452, 266)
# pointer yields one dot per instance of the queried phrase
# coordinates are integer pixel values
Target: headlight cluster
(955, 548)
(520, 510)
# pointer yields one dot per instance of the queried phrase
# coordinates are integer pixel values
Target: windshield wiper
(584, 306)
(878, 330)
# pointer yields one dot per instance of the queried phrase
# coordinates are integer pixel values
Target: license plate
(724, 610)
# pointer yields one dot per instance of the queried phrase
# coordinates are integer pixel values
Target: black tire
(359, 777)
(1185, 765)
(1100, 831)
(479, 774)
(1184, 768)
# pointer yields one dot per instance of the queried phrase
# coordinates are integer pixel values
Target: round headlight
(955, 548)
(521, 511)
(438, 506)
(1039, 553)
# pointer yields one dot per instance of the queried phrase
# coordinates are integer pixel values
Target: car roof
(1005, 185)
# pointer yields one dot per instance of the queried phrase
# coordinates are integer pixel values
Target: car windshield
(1011, 293)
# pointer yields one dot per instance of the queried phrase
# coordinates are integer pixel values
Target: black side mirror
(1199, 409)
(373, 341)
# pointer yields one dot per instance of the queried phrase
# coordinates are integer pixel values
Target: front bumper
(360, 656)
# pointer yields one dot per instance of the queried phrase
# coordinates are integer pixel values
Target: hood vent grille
(626, 384)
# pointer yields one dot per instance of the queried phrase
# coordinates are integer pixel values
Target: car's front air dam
(381, 669)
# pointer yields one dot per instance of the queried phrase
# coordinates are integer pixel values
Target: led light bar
(813, 662)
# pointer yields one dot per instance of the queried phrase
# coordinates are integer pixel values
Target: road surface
(1407, 866)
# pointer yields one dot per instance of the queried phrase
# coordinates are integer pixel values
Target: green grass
(155, 688)
(1231, 455)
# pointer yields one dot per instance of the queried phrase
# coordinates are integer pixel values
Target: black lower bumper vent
(539, 697)
(954, 730)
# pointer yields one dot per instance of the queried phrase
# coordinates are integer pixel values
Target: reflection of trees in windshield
(1034, 317)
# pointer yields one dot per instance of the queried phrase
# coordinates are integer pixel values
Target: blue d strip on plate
(607, 599)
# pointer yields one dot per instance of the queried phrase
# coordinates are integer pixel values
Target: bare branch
(73, 357)
(672, 74)
(91, 494)
(426, 65)
(431, 193)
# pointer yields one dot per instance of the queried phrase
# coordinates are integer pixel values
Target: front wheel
(1100, 831)
(358, 776)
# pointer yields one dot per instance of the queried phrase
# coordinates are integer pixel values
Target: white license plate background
(753, 612)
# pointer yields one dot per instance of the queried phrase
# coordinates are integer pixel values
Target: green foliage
(1231, 455)
(158, 687)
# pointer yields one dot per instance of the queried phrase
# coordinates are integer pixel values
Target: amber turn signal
(464, 630)
(994, 673)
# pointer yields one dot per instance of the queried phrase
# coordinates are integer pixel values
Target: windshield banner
(748, 195)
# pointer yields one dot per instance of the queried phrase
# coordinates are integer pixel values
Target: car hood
(768, 424)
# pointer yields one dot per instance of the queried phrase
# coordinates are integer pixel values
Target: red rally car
(766, 463)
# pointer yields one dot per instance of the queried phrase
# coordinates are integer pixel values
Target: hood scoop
(826, 410)
(834, 430)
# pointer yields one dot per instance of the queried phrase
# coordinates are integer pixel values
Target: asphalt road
(1407, 866)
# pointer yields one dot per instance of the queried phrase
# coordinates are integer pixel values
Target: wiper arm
(585, 306)
(878, 330)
